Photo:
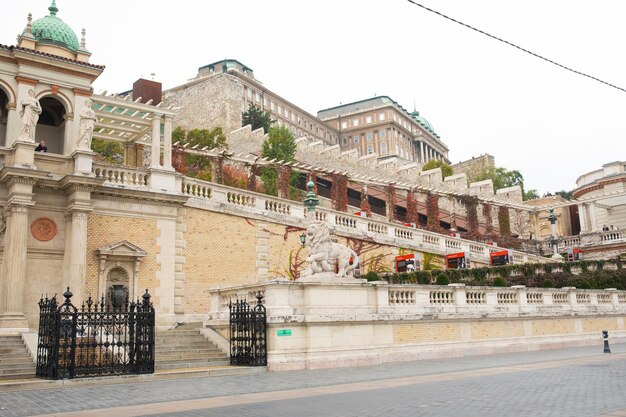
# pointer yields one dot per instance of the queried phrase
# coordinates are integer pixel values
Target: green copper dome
(52, 30)
(419, 119)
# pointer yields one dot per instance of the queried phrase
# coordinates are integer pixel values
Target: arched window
(51, 124)
(4, 110)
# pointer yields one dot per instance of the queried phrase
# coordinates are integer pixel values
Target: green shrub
(442, 279)
(547, 283)
(499, 282)
(372, 276)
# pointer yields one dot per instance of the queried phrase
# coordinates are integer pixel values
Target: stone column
(14, 267)
(593, 219)
(75, 260)
(582, 218)
(155, 161)
(422, 156)
(167, 143)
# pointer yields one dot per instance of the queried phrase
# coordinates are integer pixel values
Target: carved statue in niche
(86, 126)
(30, 111)
(326, 256)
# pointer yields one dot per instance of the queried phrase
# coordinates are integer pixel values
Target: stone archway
(51, 124)
(118, 272)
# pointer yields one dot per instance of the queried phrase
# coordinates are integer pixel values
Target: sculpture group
(326, 256)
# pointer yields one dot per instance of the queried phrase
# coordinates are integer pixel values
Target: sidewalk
(198, 395)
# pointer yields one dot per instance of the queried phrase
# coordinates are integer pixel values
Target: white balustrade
(430, 240)
(377, 228)
(583, 298)
(621, 298)
(345, 221)
(604, 298)
(441, 297)
(257, 203)
(475, 297)
(240, 199)
(534, 298)
(453, 244)
(122, 176)
(507, 297)
(560, 298)
(613, 235)
(477, 250)
(401, 297)
(404, 233)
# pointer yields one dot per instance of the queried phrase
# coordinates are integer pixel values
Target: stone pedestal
(162, 180)
(83, 161)
(24, 154)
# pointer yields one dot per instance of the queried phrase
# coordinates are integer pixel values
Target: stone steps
(15, 359)
(186, 347)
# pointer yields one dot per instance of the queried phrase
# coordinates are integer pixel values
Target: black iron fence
(248, 336)
(99, 339)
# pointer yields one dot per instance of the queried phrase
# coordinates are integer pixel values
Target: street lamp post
(554, 240)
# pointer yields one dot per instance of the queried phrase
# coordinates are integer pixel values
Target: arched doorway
(4, 113)
(51, 124)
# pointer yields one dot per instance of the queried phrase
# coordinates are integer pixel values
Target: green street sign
(283, 332)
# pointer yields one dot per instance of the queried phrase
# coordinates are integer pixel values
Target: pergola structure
(135, 125)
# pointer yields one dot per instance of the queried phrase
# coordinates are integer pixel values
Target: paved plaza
(570, 382)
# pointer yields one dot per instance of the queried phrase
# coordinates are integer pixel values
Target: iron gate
(100, 338)
(248, 338)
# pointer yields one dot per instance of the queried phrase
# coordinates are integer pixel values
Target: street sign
(283, 332)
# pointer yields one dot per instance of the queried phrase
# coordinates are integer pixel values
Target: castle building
(381, 126)
(223, 90)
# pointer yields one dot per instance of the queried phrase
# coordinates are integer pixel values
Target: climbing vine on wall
(487, 212)
(470, 202)
(365, 204)
(411, 208)
(284, 177)
(218, 169)
(252, 175)
(504, 221)
(339, 192)
(432, 212)
(390, 192)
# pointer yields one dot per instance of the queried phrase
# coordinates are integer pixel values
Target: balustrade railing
(122, 176)
(380, 229)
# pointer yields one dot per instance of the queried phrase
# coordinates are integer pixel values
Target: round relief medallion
(43, 229)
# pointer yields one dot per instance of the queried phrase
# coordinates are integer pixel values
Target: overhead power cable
(517, 47)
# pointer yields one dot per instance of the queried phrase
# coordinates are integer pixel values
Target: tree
(503, 178)
(279, 145)
(257, 118)
(111, 151)
(565, 194)
(531, 194)
(199, 166)
(446, 170)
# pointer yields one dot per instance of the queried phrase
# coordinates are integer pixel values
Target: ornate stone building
(381, 126)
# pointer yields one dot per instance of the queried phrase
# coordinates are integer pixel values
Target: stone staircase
(185, 347)
(15, 359)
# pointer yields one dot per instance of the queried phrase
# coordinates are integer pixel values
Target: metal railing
(248, 333)
(99, 339)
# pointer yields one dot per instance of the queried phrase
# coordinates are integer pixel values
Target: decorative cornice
(82, 93)
(599, 185)
(26, 80)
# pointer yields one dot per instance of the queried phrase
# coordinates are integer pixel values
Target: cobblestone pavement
(569, 383)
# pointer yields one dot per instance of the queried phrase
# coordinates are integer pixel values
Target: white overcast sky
(480, 95)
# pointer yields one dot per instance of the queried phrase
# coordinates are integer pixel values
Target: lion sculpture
(326, 256)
